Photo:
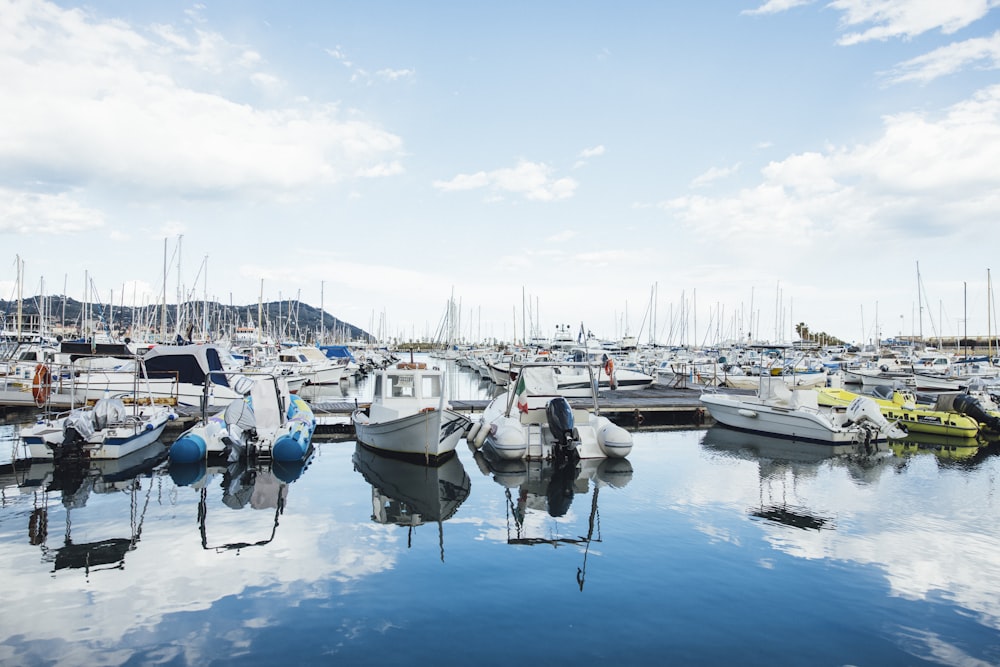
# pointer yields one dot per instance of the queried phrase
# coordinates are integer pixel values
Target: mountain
(286, 320)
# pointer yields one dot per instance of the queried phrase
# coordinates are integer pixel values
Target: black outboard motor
(969, 406)
(560, 418)
(561, 424)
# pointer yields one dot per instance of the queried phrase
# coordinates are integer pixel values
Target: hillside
(287, 320)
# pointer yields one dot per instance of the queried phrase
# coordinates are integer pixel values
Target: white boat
(409, 414)
(194, 374)
(312, 364)
(779, 411)
(803, 380)
(606, 372)
(107, 430)
(532, 420)
(269, 422)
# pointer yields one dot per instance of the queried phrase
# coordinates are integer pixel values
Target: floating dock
(656, 406)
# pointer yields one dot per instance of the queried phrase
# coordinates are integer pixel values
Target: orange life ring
(41, 385)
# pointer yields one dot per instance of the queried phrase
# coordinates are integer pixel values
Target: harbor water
(704, 547)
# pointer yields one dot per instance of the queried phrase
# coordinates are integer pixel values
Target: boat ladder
(536, 442)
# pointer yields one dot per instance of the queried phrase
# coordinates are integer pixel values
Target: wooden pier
(656, 406)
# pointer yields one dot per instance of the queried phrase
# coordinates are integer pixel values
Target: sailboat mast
(920, 306)
(163, 312)
(989, 332)
(20, 295)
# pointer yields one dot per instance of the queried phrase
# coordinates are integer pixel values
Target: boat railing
(516, 382)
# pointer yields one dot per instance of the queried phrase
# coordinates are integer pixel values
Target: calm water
(705, 547)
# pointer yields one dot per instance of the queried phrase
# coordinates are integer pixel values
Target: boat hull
(44, 438)
(430, 434)
(759, 417)
(915, 420)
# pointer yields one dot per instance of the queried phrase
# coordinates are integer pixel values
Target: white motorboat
(312, 364)
(409, 414)
(795, 413)
(532, 420)
(107, 430)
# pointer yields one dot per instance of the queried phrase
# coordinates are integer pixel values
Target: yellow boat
(910, 415)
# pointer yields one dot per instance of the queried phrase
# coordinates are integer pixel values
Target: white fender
(480, 436)
(470, 435)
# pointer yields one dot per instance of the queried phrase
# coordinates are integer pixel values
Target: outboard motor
(559, 415)
(560, 418)
(77, 429)
(968, 406)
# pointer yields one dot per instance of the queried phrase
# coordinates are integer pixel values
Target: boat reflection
(546, 488)
(75, 479)
(410, 494)
(779, 458)
(942, 447)
(261, 486)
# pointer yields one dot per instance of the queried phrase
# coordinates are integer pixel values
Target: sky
(679, 172)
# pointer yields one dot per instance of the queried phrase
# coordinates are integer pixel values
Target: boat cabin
(406, 388)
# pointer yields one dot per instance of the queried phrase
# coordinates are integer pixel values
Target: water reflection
(411, 494)
(777, 457)
(75, 480)
(547, 488)
(262, 486)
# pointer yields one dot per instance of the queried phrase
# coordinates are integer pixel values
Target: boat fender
(188, 448)
(484, 431)
(470, 435)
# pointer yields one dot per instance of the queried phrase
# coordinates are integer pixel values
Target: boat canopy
(188, 363)
(337, 352)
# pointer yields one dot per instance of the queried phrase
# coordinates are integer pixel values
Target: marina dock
(656, 406)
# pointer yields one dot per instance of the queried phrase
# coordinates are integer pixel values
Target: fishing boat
(532, 420)
(269, 422)
(409, 414)
(779, 411)
(107, 430)
(949, 417)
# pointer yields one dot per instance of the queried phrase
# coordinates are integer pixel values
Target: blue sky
(750, 165)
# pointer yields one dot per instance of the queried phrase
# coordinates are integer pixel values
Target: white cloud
(39, 213)
(714, 174)
(533, 180)
(984, 51)
(922, 175)
(135, 122)
(776, 6)
(561, 237)
(588, 153)
(907, 18)
(395, 74)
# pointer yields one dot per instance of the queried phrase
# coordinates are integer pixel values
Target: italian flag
(522, 395)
